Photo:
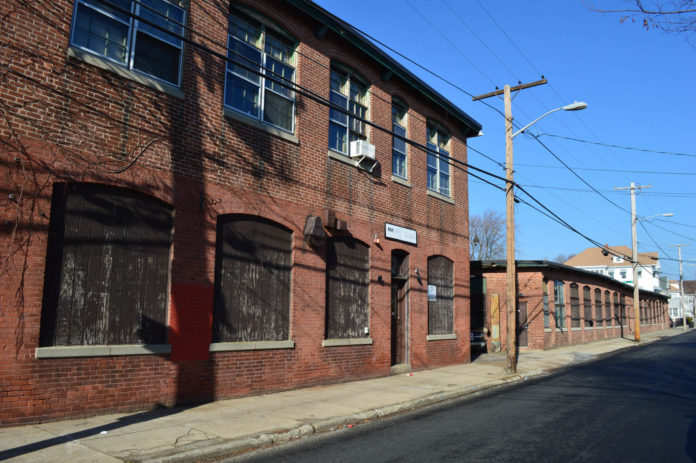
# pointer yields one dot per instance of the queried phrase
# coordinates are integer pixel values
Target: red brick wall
(529, 283)
(66, 120)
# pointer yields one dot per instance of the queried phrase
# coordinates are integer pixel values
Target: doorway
(522, 324)
(399, 307)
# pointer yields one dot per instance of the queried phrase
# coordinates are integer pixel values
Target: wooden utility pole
(636, 291)
(511, 292)
(681, 284)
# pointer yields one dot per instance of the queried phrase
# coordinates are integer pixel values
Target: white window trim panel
(102, 351)
(346, 342)
(252, 345)
(120, 70)
(440, 337)
(266, 127)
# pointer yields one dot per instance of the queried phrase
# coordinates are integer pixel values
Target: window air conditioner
(362, 149)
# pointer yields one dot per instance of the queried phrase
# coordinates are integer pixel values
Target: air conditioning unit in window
(362, 149)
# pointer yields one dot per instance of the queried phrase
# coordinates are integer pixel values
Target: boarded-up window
(347, 284)
(587, 304)
(598, 307)
(616, 309)
(545, 296)
(107, 267)
(574, 306)
(559, 299)
(440, 295)
(252, 280)
(607, 308)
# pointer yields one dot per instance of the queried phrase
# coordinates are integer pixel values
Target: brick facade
(65, 119)
(531, 276)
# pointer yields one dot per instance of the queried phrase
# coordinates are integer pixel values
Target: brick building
(200, 200)
(559, 305)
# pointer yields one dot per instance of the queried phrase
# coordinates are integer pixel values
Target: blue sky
(639, 87)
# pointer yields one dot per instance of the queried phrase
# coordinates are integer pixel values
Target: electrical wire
(644, 150)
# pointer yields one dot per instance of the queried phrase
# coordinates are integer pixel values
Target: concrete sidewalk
(228, 426)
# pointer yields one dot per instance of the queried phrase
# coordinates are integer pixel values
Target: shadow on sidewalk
(120, 423)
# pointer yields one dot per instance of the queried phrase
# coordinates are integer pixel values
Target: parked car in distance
(679, 322)
(478, 339)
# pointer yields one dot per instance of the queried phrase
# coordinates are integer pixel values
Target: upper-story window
(123, 34)
(438, 160)
(349, 93)
(260, 72)
(399, 145)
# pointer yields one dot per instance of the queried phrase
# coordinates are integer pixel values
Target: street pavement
(225, 427)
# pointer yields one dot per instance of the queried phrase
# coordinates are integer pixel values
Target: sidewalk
(228, 426)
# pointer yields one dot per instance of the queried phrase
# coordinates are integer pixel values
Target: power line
(644, 150)
(597, 169)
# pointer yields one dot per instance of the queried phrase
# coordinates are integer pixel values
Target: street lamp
(636, 292)
(511, 366)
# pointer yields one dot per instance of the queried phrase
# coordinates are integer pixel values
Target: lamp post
(634, 239)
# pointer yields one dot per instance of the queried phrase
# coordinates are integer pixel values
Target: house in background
(675, 305)
(206, 200)
(617, 265)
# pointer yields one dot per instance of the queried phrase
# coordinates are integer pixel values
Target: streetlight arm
(577, 106)
(534, 122)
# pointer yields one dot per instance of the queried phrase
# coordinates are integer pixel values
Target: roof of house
(389, 65)
(594, 257)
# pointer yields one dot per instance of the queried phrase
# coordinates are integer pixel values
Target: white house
(675, 308)
(617, 264)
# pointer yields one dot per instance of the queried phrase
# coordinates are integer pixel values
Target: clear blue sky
(639, 87)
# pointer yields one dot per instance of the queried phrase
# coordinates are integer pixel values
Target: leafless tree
(487, 235)
(562, 258)
(672, 16)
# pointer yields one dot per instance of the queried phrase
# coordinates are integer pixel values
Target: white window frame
(353, 129)
(438, 151)
(263, 31)
(399, 124)
(133, 28)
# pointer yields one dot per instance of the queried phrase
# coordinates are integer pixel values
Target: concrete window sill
(440, 337)
(346, 342)
(237, 116)
(102, 351)
(255, 345)
(444, 198)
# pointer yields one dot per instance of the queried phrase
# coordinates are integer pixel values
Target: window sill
(237, 116)
(440, 337)
(548, 330)
(441, 197)
(107, 65)
(254, 345)
(344, 158)
(401, 181)
(102, 351)
(346, 342)
(576, 328)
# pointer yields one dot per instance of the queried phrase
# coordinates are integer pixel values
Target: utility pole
(511, 292)
(634, 220)
(681, 284)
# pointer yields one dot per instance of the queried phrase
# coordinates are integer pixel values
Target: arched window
(587, 305)
(598, 307)
(347, 288)
(107, 268)
(574, 306)
(252, 280)
(438, 144)
(440, 295)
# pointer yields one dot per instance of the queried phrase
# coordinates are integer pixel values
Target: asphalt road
(635, 406)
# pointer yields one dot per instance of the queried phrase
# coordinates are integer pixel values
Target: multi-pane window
(587, 304)
(598, 307)
(260, 72)
(616, 308)
(545, 295)
(607, 308)
(107, 268)
(438, 160)
(440, 295)
(252, 280)
(399, 145)
(121, 31)
(574, 306)
(559, 300)
(349, 93)
(623, 309)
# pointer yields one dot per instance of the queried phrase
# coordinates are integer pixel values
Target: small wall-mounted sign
(394, 232)
(432, 293)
